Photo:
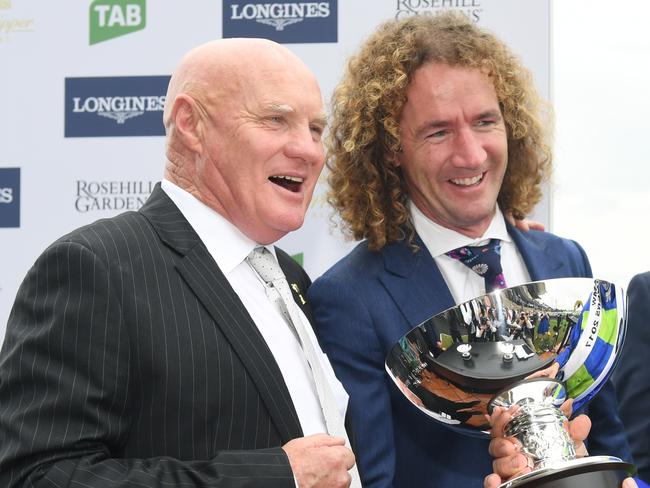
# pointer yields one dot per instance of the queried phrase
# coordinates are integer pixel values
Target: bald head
(217, 69)
(244, 119)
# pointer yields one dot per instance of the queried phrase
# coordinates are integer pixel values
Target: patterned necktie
(267, 267)
(484, 261)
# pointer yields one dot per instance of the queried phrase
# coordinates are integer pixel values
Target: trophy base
(587, 472)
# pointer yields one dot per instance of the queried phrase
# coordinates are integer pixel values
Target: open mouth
(472, 181)
(291, 183)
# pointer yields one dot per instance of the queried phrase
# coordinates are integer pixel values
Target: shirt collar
(439, 240)
(225, 242)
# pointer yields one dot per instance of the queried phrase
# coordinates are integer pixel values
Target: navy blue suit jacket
(364, 304)
(632, 377)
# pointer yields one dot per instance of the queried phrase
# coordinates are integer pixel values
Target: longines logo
(281, 20)
(118, 108)
(95, 196)
(9, 197)
(9, 26)
(114, 18)
(471, 8)
(115, 106)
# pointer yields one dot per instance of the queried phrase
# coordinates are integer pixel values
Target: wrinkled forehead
(286, 88)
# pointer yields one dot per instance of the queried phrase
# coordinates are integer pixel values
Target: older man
(163, 347)
(435, 136)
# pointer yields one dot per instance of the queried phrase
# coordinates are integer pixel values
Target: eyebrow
(429, 125)
(283, 108)
(321, 120)
(439, 124)
(490, 113)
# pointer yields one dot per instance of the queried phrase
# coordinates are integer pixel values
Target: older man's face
(264, 150)
(454, 146)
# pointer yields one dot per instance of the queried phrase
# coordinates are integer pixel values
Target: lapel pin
(294, 287)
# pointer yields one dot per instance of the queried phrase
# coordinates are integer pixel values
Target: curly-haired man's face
(454, 146)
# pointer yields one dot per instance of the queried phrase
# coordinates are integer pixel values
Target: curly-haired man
(436, 134)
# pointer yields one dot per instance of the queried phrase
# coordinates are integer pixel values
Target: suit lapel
(298, 281)
(541, 262)
(414, 282)
(203, 276)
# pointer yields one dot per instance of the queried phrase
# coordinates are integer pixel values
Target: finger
(581, 450)
(579, 428)
(491, 481)
(550, 372)
(510, 466)
(522, 225)
(503, 447)
(500, 418)
(351, 460)
(567, 407)
(629, 483)
(495, 421)
(347, 479)
(342, 454)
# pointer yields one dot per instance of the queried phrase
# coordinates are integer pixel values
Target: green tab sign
(114, 18)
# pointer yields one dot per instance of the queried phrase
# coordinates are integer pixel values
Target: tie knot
(483, 260)
(265, 264)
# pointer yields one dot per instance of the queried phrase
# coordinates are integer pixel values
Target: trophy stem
(539, 425)
(540, 430)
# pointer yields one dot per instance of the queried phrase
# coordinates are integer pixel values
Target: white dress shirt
(463, 283)
(229, 247)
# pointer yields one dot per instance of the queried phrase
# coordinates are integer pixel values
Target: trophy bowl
(532, 346)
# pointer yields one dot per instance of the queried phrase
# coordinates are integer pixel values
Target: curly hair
(366, 189)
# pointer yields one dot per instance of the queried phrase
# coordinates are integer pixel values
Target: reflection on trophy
(503, 349)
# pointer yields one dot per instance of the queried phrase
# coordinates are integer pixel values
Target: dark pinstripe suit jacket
(130, 361)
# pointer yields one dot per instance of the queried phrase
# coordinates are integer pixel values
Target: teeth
(293, 179)
(467, 181)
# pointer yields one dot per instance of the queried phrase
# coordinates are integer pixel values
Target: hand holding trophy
(524, 351)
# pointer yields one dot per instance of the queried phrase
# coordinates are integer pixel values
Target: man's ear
(187, 122)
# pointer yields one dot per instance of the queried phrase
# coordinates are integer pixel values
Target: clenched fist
(320, 460)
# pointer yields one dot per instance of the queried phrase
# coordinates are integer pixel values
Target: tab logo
(115, 106)
(115, 18)
(281, 20)
(9, 197)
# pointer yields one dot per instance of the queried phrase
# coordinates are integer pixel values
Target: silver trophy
(503, 349)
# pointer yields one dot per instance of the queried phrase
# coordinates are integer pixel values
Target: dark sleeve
(65, 408)
(631, 375)
(607, 436)
(346, 332)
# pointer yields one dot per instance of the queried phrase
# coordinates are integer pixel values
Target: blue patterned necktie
(484, 261)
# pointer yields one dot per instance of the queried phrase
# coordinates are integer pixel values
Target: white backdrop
(43, 43)
(600, 91)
